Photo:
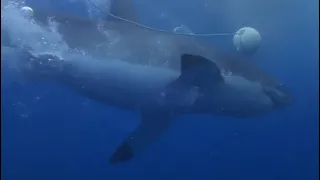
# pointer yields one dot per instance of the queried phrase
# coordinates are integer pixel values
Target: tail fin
(153, 124)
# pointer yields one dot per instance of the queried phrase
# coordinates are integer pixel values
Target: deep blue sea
(49, 132)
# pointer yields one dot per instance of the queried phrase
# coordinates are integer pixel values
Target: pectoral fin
(153, 124)
(199, 71)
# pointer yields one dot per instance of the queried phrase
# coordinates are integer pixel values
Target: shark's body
(157, 74)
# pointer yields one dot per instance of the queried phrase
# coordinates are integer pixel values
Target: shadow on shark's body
(156, 74)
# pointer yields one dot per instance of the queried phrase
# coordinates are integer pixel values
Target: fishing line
(155, 29)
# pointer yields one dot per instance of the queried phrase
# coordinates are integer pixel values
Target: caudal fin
(153, 124)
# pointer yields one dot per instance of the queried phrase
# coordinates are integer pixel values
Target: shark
(159, 75)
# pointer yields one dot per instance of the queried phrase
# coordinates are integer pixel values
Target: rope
(159, 30)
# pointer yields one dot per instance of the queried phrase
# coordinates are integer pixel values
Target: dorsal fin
(124, 9)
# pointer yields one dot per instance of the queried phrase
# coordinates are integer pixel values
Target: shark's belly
(118, 83)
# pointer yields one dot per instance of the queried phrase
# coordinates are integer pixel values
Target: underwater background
(49, 132)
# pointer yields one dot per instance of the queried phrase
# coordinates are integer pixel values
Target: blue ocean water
(49, 132)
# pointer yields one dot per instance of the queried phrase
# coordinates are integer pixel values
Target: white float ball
(247, 40)
(27, 11)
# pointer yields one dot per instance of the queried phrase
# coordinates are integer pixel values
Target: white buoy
(27, 11)
(247, 40)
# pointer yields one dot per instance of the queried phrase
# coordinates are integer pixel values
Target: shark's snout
(279, 94)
